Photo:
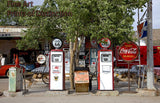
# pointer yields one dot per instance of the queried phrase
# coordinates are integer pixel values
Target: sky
(155, 13)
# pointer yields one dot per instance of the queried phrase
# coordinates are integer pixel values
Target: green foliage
(100, 18)
(40, 27)
(2, 9)
(6, 18)
(90, 18)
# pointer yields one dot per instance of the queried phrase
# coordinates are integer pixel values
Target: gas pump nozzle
(16, 61)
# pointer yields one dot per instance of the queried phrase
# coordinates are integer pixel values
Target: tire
(1, 93)
(7, 73)
(45, 78)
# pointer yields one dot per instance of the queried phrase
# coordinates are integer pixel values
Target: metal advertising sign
(41, 59)
(128, 51)
(81, 77)
(106, 43)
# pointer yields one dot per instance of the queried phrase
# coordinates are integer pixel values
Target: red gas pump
(105, 68)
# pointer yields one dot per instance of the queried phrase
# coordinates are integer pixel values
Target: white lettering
(128, 51)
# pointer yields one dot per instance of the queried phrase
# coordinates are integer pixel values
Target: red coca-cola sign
(128, 51)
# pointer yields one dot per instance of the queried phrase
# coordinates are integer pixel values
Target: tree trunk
(72, 65)
(78, 50)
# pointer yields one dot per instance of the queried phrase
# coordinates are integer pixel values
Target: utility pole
(139, 78)
(150, 73)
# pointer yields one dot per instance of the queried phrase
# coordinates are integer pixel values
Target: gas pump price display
(56, 57)
(106, 57)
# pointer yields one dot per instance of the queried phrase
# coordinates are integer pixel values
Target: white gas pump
(105, 70)
(67, 61)
(57, 67)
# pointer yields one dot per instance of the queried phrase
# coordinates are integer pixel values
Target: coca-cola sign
(128, 51)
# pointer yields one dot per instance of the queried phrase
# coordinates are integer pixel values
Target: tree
(98, 19)
(2, 13)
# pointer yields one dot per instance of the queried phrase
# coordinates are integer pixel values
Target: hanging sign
(106, 43)
(128, 51)
(57, 43)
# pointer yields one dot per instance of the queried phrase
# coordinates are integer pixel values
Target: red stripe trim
(98, 70)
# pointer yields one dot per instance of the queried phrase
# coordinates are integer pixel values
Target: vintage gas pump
(105, 69)
(57, 67)
(15, 77)
(93, 60)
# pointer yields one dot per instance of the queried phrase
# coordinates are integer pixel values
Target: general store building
(8, 37)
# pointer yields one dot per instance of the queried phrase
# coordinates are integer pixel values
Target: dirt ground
(3, 84)
(80, 99)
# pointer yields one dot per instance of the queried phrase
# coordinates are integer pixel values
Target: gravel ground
(80, 99)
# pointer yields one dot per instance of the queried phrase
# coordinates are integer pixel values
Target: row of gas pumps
(105, 76)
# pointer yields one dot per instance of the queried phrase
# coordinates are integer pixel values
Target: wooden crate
(82, 87)
(81, 80)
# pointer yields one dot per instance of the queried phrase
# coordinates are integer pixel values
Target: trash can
(81, 79)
